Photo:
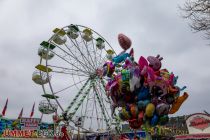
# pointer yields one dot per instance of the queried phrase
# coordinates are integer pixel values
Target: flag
(32, 111)
(21, 113)
(5, 108)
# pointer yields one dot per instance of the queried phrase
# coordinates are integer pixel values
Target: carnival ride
(71, 62)
(78, 66)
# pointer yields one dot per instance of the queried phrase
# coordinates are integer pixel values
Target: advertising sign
(30, 123)
(198, 123)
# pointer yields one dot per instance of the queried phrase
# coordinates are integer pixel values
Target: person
(136, 137)
(97, 137)
(124, 137)
(65, 133)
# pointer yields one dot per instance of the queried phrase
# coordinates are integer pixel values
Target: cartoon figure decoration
(144, 92)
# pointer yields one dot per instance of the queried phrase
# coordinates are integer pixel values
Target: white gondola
(60, 40)
(43, 53)
(109, 56)
(47, 108)
(100, 43)
(73, 32)
(40, 77)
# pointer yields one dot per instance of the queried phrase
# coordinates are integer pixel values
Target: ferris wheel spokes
(97, 100)
(102, 107)
(64, 69)
(73, 56)
(76, 44)
(88, 52)
(72, 64)
(70, 115)
(80, 61)
(70, 86)
(76, 97)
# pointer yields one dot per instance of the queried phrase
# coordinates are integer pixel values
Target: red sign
(200, 123)
(30, 123)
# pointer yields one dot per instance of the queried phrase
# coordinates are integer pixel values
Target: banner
(30, 123)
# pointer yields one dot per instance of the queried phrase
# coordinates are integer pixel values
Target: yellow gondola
(109, 54)
(43, 68)
(87, 34)
(59, 37)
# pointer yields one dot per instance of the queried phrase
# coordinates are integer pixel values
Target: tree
(198, 12)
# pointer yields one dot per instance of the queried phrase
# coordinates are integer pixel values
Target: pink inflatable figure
(155, 62)
(128, 64)
(151, 72)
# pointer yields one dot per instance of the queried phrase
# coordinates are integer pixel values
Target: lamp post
(206, 112)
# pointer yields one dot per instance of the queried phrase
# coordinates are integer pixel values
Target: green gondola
(50, 96)
(47, 45)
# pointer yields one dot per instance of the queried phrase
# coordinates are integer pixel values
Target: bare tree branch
(198, 12)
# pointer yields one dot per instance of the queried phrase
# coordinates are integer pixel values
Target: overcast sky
(155, 27)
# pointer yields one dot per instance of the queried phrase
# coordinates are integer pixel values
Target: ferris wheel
(70, 74)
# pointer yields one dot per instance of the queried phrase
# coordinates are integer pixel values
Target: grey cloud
(154, 27)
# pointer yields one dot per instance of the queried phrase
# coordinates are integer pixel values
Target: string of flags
(4, 110)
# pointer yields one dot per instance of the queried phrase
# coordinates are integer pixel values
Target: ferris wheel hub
(99, 72)
(93, 76)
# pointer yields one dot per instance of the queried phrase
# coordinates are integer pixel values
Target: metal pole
(78, 135)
